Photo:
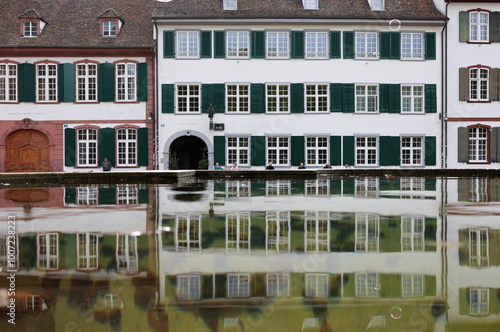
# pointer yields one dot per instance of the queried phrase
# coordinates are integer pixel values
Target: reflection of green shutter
(142, 81)
(220, 150)
(143, 196)
(297, 150)
(430, 98)
(206, 44)
(430, 150)
(69, 196)
(258, 97)
(167, 98)
(348, 152)
(335, 150)
(430, 46)
(69, 147)
(66, 82)
(219, 44)
(297, 44)
(258, 150)
(463, 19)
(106, 145)
(142, 146)
(106, 81)
(107, 196)
(335, 46)
(389, 151)
(26, 82)
(168, 44)
(348, 44)
(258, 44)
(297, 97)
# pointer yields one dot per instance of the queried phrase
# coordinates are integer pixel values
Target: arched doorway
(27, 151)
(188, 150)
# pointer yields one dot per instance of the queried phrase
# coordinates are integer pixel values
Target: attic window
(230, 4)
(377, 4)
(31, 24)
(109, 28)
(310, 4)
(110, 23)
(30, 28)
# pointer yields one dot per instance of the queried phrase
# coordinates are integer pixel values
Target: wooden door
(28, 151)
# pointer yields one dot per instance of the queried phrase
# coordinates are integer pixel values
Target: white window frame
(317, 45)
(479, 247)
(189, 287)
(87, 251)
(126, 82)
(190, 101)
(46, 83)
(479, 84)
(367, 98)
(317, 98)
(238, 285)
(127, 194)
(33, 302)
(87, 147)
(412, 234)
(87, 195)
(278, 150)
(412, 99)
(230, 4)
(86, 82)
(277, 44)
(278, 284)
(31, 28)
(479, 26)
(367, 232)
(278, 188)
(8, 83)
(278, 98)
(412, 285)
(479, 301)
(237, 44)
(188, 233)
(278, 231)
(127, 260)
(238, 150)
(366, 187)
(366, 154)
(367, 284)
(412, 150)
(47, 249)
(111, 301)
(478, 144)
(317, 285)
(237, 98)
(238, 232)
(110, 28)
(316, 231)
(412, 46)
(478, 189)
(377, 4)
(238, 188)
(187, 44)
(126, 147)
(366, 45)
(318, 187)
(310, 4)
(317, 150)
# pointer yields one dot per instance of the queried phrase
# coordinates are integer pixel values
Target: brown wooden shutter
(463, 84)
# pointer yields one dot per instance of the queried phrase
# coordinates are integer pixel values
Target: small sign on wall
(218, 126)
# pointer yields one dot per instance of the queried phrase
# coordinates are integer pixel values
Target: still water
(329, 254)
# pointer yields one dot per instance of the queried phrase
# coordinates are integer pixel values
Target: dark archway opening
(188, 150)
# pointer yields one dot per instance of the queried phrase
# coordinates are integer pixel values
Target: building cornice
(9, 52)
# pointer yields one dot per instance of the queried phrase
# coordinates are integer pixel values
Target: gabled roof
(294, 9)
(75, 23)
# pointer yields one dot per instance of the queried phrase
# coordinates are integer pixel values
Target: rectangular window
(109, 28)
(188, 287)
(239, 188)
(318, 187)
(87, 195)
(412, 46)
(46, 83)
(412, 188)
(479, 301)
(278, 98)
(316, 150)
(367, 151)
(367, 232)
(238, 98)
(317, 231)
(412, 285)
(126, 254)
(278, 284)
(230, 4)
(317, 285)
(377, 4)
(366, 98)
(479, 26)
(278, 188)
(111, 301)
(238, 44)
(188, 44)
(278, 45)
(366, 187)
(412, 151)
(412, 233)
(238, 150)
(188, 98)
(367, 284)
(310, 4)
(86, 82)
(278, 150)
(479, 189)
(479, 247)
(278, 231)
(126, 139)
(238, 232)
(412, 99)
(316, 45)
(317, 97)
(188, 233)
(87, 147)
(478, 144)
(8, 83)
(127, 194)
(126, 78)
(47, 251)
(479, 84)
(366, 45)
(33, 302)
(87, 251)
(238, 284)
(30, 29)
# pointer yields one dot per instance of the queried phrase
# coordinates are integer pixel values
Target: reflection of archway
(28, 150)
(189, 150)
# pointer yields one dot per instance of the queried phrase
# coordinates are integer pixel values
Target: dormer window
(377, 4)
(31, 24)
(310, 4)
(109, 28)
(230, 4)
(30, 29)
(110, 23)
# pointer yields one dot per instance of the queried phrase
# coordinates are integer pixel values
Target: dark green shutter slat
(69, 195)
(335, 150)
(207, 97)
(395, 45)
(430, 98)
(206, 44)
(69, 147)
(219, 150)
(258, 150)
(384, 98)
(430, 46)
(430, 150)
(66, 82)
(142, 146)
(335, 45)
(107, 196)
(297, 150)
(463, 84)
(168, 44)
(219, 102)
(348, 98)
(348, 44)
(258, 44)
(494, 147)
(257, 98)
(142, 81)
(297, 97)
(219, 44)
(106, 145)
(336, 93)
(167, 98)
(390, 151)
(106, 83)
(494, 27)
(390, 98)
(494, 84)
(348, 152)
(463, 145)
(463, 19)
(384, 45)
(297, 44)
(26, 82)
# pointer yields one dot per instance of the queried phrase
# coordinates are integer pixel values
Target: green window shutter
(297, 97)
(66, 82)
(219, 44)
(297, 150)
(26, 82)
(106, 79)
(384, 45)
(463, 19)
(167, 98)
(220, 150)
(348, 44)
(142, 146)
(107, 195)
(219, 91)
(258, 44)
(390, 98)
(430, 98)
(207, 97)
(169, 44)
(395, 45)
(335, 150)
(494, 27)
(430, 150)
(383, 90)
(348, 152)
(206, 44)
(336, 93)
(258, 150)
(335, 45)
(257, 98)
(494, 146)
(494, 84)
(430, 46)
(297, 44)
(142, 81)
(348, 98)
(463, 84)
(463, 145)
(106, 145)
(390, 151)
(69, 147)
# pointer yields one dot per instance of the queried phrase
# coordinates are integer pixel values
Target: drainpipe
(155, 122)
(444, 84)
